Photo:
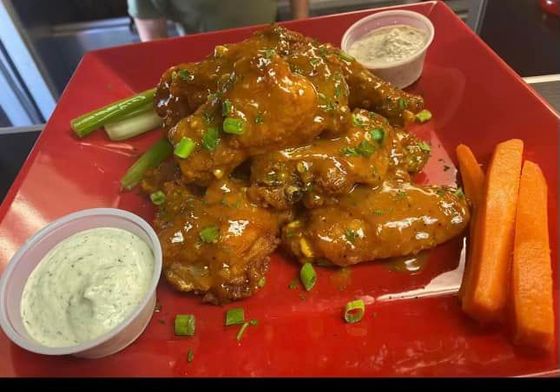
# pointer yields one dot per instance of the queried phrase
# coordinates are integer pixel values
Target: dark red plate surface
(475, 98)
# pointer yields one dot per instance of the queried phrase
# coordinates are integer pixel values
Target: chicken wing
(217, 244)
(369, 152)
(396, 220)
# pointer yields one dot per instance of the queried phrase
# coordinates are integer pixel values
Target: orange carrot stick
(471, 174)
(472, 177)
(531, 272)
(484, 298)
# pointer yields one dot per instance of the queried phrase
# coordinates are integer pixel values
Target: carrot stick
(484, 298)
(472, 177)
(471, 174)
(531, 272)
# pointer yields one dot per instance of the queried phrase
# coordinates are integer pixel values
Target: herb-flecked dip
(86, 286)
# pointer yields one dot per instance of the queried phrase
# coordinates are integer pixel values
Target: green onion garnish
(190, 355)
(459, 192)
(87, 123)
(354, 311)
(261, 282)
(184, 148)
(308, 276)
(156, 154)
(350, 235)
(349, 152)
(210, 234)
(403, 103)
(210, 138)
(424, 146)
(259, 118)
(235, 316)
(227, 107)
(158, 198)
(357, 120)
(241, 331)
(185, 75)
(377, 134)
(185, 325)
(365, 148)
(254, 323)
(345, 56)
(423, 116)
(234, 126)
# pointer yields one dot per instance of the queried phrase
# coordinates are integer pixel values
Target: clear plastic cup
(400, 73)
(30, 254)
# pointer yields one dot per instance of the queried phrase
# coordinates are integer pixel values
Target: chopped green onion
(378, 212)
(424, 146)
(261, 282)
(403, 103)
(235, 316)
(315, 61)
(254, 323)
(185, 75)
(227, 107)
(349, 152)
(423, 116)
(365, 148)
(87, 123)
(377, 134)
(129, 127)
(190, 355)
(259, 118)
(158, 198)
(269, 53)
(185, 325)
(357, 120)
(350, 235)
(459, 192)
(308, 276)
(157, 153)
(241, 331)
(345, 56)
(354, 311)
(210, 138)
(234, 126)
(184, 148)
(210, 234)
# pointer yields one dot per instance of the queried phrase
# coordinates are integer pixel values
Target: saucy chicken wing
(369, 152)
(396, 220)
(217, 244)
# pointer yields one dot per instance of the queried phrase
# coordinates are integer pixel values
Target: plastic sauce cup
(401, 73)
(31, 253)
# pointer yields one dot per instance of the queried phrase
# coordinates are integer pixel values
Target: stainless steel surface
(31, 70)
(548, 87)
(476, 14)
(16, 106)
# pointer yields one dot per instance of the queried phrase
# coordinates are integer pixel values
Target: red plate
(475, 98)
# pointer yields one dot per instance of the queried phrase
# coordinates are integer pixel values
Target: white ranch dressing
(388, 45)
(85, 286)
